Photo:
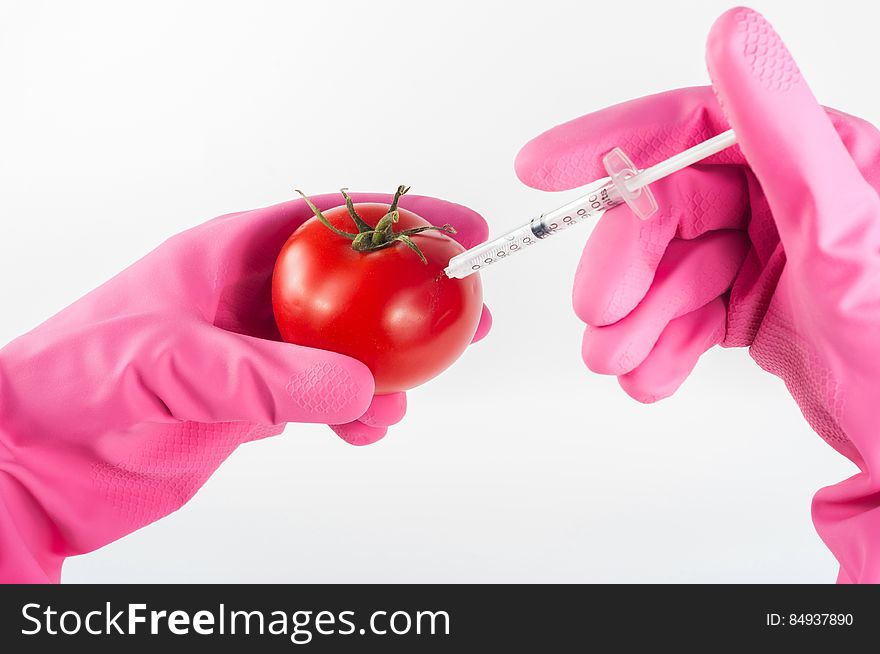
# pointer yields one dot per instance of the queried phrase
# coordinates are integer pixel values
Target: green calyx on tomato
(368, 239)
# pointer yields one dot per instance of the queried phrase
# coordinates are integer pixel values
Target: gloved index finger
(648, 129)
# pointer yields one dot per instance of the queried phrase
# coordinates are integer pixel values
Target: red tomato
(406, 320)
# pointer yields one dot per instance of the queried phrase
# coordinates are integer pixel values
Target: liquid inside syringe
(596, 201)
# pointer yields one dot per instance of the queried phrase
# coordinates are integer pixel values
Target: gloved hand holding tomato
(115, 411)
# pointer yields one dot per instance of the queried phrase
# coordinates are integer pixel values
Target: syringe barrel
(593, 203)
(488, 253)
(624, 184)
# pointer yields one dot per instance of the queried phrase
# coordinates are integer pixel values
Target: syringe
(625, 183)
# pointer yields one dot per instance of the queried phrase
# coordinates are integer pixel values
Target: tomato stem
(401, 190)
(384, 231)
(360, 222)
(324, 220)
(368, 239)
(406, 240)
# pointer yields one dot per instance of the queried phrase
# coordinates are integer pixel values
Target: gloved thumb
(207, 374)
(824, 209)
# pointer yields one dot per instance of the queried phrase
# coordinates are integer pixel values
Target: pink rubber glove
(774, 245)
(115, 411)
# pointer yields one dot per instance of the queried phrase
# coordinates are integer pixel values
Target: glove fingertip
(484, 325)
(333, 388)
(676, 353)
(527, 163)
(634, 386)
(720, 44)
(600, 306)
(385, 410)
(358, 434)
(538, 165)
(604, 353)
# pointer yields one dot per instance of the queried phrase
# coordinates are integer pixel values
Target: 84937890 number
(832, 619)
(810, 619)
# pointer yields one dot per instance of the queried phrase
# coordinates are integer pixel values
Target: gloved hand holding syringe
(625, 183)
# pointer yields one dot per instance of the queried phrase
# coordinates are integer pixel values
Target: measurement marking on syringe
(625, 183)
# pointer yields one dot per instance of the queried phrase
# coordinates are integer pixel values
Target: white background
(122, 123)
